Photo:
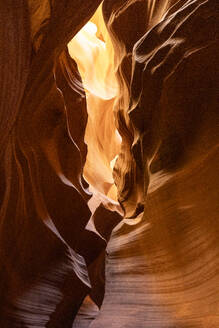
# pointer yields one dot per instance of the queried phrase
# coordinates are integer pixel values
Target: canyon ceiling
(109, 194)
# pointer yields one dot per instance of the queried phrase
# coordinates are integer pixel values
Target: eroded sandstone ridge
(109, 163)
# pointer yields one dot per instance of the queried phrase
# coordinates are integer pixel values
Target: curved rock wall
(160, 265)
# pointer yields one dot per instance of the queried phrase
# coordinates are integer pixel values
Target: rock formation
(109, 163)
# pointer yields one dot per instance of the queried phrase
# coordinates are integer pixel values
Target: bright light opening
(93, 52)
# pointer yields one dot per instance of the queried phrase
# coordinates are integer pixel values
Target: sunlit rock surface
(109, 164)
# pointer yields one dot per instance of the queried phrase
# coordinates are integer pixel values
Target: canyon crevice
(109, 133)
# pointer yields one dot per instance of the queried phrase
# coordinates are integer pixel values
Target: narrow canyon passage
(109, 164)
(93, 52)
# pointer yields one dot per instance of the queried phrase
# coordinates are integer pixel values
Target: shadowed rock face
(160, 266)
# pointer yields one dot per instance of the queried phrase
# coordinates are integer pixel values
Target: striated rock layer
(163, 271)
(119, 134)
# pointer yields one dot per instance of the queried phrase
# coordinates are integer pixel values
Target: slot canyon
(109, 134)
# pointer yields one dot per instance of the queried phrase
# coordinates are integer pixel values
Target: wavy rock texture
(163, 271)
(160, 266)
(44, 197)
